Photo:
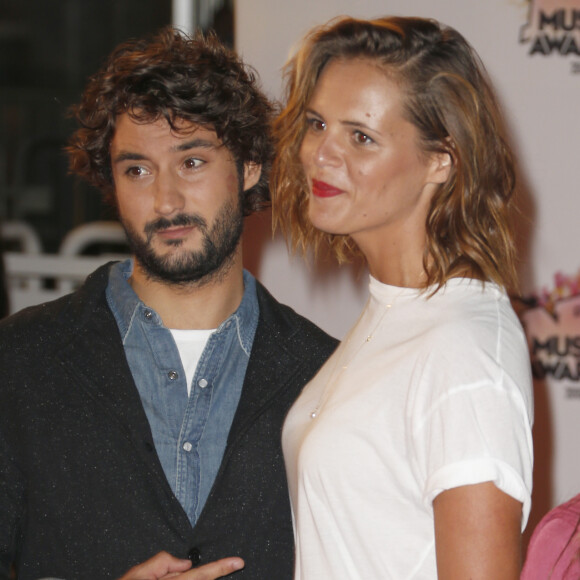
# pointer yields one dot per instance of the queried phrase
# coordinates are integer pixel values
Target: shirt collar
(125, 304)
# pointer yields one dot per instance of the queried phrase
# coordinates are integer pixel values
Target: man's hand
(164, 565)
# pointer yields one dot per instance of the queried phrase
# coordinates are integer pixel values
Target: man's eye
(193, 163)
(136, 171)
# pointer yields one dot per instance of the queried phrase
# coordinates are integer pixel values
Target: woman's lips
(322, 189)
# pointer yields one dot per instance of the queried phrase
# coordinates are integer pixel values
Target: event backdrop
(532, 52)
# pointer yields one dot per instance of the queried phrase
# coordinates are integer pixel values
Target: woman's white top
(424, 394)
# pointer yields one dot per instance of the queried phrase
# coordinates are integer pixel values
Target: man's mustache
(179, 220)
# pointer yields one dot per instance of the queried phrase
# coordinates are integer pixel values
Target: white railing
(33, 277)
(27, 275)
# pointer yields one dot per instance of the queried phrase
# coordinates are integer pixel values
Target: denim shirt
(190, 433)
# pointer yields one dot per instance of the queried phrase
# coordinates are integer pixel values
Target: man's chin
(169, 257)
(177, 276)
(181, 269)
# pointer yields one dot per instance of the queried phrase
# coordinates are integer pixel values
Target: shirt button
(202, 383)
(195, 556)
(148, 314)
(187, 446)
(173, 375)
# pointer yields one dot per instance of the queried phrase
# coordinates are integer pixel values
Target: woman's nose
(326, 151)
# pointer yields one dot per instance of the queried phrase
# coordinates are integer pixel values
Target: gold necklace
(336, 372)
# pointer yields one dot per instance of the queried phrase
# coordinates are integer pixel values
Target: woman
(554, 550)
(410, 453)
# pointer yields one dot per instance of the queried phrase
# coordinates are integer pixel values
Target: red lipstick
(322, 189)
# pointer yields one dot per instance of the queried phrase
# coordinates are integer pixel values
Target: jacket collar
(96, 357)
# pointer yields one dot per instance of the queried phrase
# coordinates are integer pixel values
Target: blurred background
(48, 48)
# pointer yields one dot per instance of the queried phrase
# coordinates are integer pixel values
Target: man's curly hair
(177, 78)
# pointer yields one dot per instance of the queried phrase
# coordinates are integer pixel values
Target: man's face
(178, 197)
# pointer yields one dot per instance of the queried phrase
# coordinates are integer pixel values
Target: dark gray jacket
(82, 492)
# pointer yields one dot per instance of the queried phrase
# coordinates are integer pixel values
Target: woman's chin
(325, 226)
(325, 222)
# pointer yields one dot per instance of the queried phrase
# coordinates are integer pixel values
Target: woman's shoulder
(473, 334)
(473, 309)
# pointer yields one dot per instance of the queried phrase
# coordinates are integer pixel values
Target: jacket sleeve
(12, 506)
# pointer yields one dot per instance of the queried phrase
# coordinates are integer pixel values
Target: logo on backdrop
(552, 322)
(553, 29)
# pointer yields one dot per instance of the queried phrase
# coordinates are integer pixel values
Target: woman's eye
(361, 138)
(316, 124)
(193, 163)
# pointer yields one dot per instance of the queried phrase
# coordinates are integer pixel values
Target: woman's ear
(441, 164)
(252, 172)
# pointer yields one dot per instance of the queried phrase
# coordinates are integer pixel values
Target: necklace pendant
(337, 371)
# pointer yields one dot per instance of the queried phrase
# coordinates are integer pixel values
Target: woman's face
(367, 176)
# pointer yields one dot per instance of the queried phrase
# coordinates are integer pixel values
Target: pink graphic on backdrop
(553, 329)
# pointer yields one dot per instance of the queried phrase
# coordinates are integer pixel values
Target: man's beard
(219, 244)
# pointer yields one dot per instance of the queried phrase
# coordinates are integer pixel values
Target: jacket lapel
(96, 359)
(271, 368)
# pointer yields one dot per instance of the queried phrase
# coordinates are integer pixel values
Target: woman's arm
(477, 533)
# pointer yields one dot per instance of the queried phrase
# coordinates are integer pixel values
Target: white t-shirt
(440, 397)
(190, 344)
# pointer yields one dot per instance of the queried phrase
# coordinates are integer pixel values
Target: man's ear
(252, 172)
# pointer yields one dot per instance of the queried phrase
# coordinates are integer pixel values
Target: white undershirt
(190, 344)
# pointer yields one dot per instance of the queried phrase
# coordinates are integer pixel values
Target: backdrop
(532, 52)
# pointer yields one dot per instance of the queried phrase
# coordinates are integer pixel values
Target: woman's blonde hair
(448, 97)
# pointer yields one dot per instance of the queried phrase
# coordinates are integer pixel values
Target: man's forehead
(179, 129)
(186, 127)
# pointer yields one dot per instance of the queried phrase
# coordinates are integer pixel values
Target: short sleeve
(471, 412)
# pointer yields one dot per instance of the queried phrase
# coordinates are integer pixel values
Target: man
(142, 413)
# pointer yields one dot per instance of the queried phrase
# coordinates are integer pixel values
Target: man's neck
(199, 305)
